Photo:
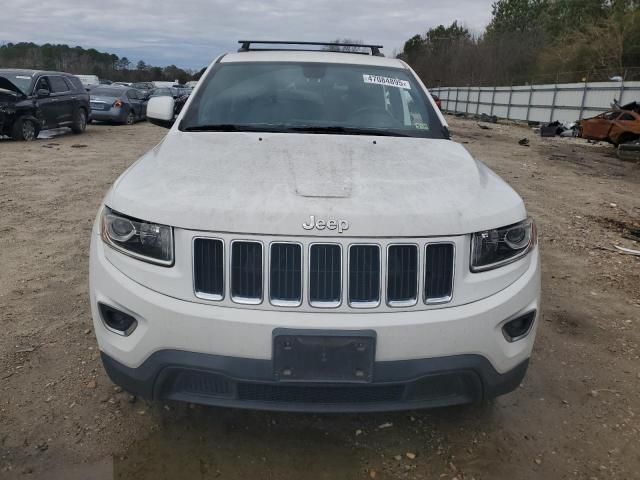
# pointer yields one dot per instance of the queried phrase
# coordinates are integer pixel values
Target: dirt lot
(577, 415)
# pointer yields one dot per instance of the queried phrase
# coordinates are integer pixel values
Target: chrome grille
(364, 275)
(208, 277)
(402, 275)
(325, 275)
(438, 277)
(285, 281)
(312, 275)
(246, 272)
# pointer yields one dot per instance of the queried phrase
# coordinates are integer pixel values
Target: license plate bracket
(323, 356)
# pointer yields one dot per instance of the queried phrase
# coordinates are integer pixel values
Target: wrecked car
(31, 101)
(614, 126)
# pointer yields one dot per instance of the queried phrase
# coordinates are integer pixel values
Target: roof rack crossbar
(246, 45)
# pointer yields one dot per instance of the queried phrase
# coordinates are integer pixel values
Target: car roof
(31, 73)
(312, 57)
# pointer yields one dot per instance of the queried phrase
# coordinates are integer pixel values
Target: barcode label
(390, 82)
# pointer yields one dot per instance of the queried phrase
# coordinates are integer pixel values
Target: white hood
(270, 183)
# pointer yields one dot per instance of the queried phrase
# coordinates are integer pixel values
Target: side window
(58, 84)
(611, 115)
(43, 84)
(627, 116)
(132, 94)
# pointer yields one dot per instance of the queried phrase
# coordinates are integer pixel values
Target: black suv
(32, 100)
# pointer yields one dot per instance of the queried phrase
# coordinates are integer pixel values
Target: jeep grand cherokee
(307, 237)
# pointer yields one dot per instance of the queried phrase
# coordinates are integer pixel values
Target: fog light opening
(519, 327)
(116, 320)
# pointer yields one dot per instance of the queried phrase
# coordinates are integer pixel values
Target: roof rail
(246, 46)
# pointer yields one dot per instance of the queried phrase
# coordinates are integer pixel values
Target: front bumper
(218, 355)
(248, 383)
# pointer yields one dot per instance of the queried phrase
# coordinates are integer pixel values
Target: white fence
(565, 102)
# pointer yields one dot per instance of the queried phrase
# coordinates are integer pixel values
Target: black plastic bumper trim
(397, 385)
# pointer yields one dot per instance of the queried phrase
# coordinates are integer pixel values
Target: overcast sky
(190, 33)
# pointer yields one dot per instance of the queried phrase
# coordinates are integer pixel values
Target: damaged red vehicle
(31, 101)
(615, 126)
(437, 100)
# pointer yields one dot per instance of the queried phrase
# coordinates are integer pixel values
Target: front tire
(79, 121)
(25, 129)
(131, 118)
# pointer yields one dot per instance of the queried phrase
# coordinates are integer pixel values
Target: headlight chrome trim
(533, 241)
(104, 234)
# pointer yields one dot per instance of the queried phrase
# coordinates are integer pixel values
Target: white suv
(307, 237)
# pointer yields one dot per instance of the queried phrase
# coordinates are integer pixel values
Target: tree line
(539, 41)
(78, 60)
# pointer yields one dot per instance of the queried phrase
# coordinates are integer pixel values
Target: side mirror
(42, 93)
(160, 111)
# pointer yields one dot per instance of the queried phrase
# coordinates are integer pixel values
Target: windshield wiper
(230, 127)
(336, 129)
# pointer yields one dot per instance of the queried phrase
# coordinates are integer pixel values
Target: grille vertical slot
(438, 276)
(364, 276)
(325, 275)
(402, 275)
(246, 272)
(285, 280)
(208, 268)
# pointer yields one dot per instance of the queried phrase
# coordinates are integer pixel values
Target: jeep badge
(331, 224)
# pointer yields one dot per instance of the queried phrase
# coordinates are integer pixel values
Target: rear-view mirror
(160, 111)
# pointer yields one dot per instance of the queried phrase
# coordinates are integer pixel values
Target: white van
(89, 81)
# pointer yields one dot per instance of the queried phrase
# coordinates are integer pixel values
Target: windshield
(20, 80)
(312, 97)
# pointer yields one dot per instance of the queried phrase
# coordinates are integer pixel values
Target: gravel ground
(577, 414)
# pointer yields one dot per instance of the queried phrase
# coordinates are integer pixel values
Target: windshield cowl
(335, 130)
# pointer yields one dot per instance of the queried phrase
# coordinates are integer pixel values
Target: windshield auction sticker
(390, 82)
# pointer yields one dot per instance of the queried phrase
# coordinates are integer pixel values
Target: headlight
(494, 248)
(147, 241)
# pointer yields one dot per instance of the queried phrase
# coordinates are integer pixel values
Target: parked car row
(128, 104)
(175, 92)
(34, 100)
